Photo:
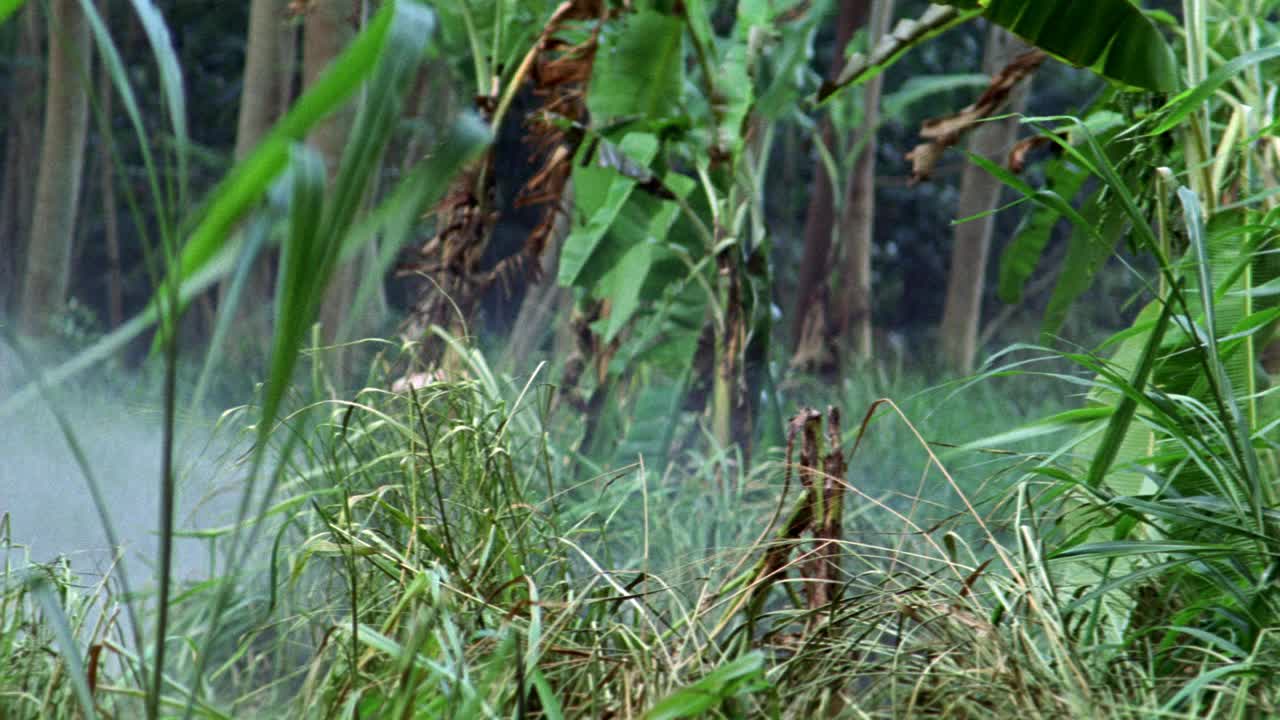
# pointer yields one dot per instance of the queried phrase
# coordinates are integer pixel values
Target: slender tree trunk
(979, 193)
(287, 66)
(258, 96)
(820, 217)
(325, 33)
(857, 226)
(61, 166)
(111, 220)
(106, 168)
(259, 104)
(22, 143)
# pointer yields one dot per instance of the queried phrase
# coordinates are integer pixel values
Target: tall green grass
(193, 248)
(432, 554)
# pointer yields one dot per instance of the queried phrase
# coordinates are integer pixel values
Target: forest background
(497, 291)
(103, 256)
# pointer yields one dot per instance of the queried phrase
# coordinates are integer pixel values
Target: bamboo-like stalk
(1196, 141)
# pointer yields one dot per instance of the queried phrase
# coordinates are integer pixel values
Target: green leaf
(633, 259)
(1122, 418)
(9, 7)
(1128, 548)
(667, 335)
(639, 68)
(317, 226)
(1065, 178)
(547, 696)
(1068, 420)
(907, 34)
(698, 17)
(654, 416)
(1209, 269)
(1063, 181)
(623, 284)
(249, 180)
(56, 616)
(300, 257)
(745, 674)
(733, 86)
(1094, 235)
(600, 194)
(1271, 288)
(1207, 681)
(1111, 37)
(1188, 100)
(171, 87)
(1088, 249)
(785, 72)
(487, 38)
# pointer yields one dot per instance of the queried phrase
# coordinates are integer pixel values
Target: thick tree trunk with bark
(979, 193)
(857, 222)
(66, 120)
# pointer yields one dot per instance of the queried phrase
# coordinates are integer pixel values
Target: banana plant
(668, 228)
(1114, 38)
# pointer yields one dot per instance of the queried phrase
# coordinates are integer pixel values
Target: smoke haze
(46, 496)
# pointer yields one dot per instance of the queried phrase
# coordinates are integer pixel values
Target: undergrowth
(433, 553)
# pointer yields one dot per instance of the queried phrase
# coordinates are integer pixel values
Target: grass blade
(1122, 418)
(40, 587)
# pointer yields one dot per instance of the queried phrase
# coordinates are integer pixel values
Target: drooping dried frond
(450, 260)
(943, 132)
(559, 68)
(1018, 154)
(561, 73)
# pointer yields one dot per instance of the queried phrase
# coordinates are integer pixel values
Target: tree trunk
(258, 95)
(22, 143)
(107, 170)
(259, 104)
(287, 66)
(857, 222)
(325, 33)
(979, 193)
(66, 121)
(820, 217)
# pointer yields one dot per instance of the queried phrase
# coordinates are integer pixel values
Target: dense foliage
(615, 502)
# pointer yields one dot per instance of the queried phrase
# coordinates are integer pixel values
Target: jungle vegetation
(646, 358)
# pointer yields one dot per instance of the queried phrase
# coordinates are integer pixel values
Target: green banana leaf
(639, 69)
(1113, 38)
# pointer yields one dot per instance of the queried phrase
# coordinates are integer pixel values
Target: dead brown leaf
(943, 132)
(559, 71)
(1018, 155)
